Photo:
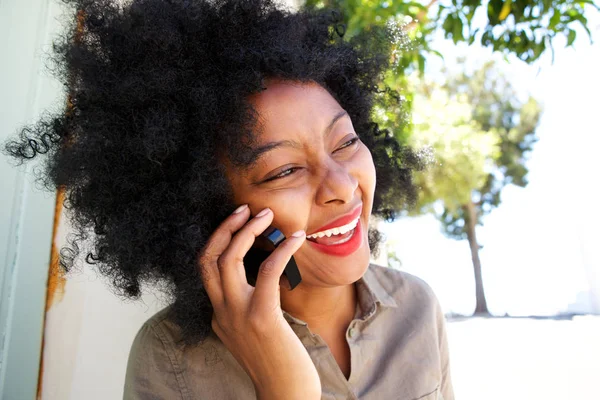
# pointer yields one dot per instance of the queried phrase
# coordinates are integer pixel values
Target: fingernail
(240, 208)
(263, 212)
(299, 233)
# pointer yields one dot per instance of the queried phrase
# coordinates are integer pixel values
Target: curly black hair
(157, 93)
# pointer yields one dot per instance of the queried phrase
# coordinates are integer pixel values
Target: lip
(343, 220)
(343, 249)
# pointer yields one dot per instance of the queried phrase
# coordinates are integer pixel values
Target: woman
(192, 127)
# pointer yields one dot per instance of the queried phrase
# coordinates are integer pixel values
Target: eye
(282, 174)
(349, 143)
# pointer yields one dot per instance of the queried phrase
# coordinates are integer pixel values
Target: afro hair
(157, 92)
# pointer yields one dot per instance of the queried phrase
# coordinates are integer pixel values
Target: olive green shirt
(397, 344)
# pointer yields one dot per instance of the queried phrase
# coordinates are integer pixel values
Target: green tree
(525, 28)
(489, 132)
(479, 134)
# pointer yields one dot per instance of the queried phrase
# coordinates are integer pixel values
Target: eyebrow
(259, 151)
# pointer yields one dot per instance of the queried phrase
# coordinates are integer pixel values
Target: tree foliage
(522, 27)
(480, 134)
(478, 131)
(525, 28)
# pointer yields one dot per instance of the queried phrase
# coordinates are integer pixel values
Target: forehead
(287, 106)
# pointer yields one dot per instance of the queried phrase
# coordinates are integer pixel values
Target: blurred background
(500, 99)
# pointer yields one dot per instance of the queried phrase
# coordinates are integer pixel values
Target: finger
(266, 292)
(217, 243)
(231, 262)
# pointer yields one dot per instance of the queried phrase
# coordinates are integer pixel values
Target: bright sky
(541, 252)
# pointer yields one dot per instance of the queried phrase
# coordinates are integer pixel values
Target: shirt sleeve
(446, 388)
(152, 369)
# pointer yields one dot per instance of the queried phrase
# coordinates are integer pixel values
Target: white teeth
(335, 231)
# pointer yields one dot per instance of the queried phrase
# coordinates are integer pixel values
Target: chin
(352, 271)
(335, 271)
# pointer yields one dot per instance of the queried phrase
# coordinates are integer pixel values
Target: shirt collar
(376, 288)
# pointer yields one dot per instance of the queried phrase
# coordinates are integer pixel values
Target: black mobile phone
(264, 245)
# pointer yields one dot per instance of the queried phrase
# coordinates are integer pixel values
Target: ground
(525, 358)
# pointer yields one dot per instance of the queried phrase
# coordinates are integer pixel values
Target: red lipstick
(344, 220)
(348, 247)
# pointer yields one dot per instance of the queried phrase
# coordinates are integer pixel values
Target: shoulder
(410, 297)
(160, 362)
(161, 337)
(157, 336)
(153, 366)
(401, 286)
(158, 328)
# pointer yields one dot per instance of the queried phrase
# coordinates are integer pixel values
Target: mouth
(341, 237)
(336, 235)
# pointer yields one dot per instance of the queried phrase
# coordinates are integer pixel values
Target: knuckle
(203, 259)
(216, 327)
(268, 267)
(207, 255)
(261, 323)
(204, 266)
(256, 323)
(208, 248)
(228, 259)
(222, 261)
(205, 272)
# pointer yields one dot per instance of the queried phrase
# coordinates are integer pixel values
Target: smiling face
(315, 175)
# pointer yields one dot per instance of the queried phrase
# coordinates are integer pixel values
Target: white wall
(88, 335)
(26, 214)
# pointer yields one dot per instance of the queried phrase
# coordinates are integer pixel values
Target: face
(316, 175)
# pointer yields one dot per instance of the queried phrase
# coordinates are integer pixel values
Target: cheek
(291, 208)
(365, 171)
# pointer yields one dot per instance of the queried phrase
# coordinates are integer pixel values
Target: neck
(325, 310)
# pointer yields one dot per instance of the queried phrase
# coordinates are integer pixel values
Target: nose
(338, 184)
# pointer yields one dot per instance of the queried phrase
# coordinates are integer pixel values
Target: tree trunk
(470, 223)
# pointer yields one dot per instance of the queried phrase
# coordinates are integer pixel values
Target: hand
(249, 320)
